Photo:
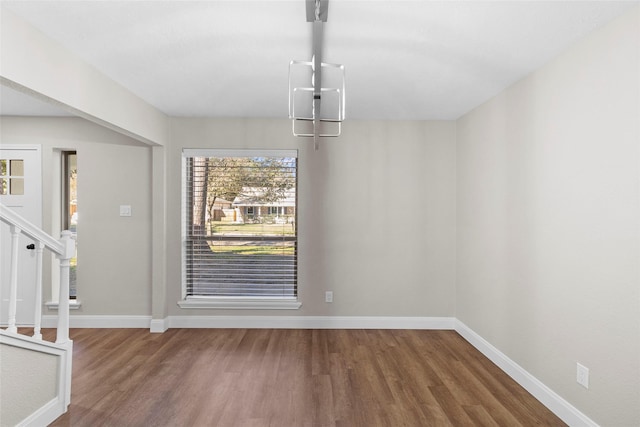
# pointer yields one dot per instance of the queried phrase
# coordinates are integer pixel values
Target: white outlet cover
(328, 296)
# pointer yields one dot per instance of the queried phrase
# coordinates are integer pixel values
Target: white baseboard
(158, 326)
(46, 414)
(303, 322)
(255, 322)
(103, 321)
(556, 404)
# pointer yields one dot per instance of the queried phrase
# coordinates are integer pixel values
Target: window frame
(59, 172)
(226, 302)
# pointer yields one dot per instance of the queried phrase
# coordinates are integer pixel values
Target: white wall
(24, 391)
(548, 205)
(114, 261)
(350, 239)
(33, 63)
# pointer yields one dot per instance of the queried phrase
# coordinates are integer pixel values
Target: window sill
(74, 304)
(241, 303)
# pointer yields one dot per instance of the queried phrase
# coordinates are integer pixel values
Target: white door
(21, 190)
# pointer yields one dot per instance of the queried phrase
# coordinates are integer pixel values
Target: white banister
(64, 250)
(63, 300)
(35, 233)
(13, 281)
(38, 302)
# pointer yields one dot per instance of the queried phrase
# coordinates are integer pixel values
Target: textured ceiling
(403, 59)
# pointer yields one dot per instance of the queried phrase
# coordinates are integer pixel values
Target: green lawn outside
(252, 250)
(249, 247)
(222, 228)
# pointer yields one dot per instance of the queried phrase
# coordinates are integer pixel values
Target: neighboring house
(222, 210)
(253, 207)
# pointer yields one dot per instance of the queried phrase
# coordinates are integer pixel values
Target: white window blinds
(239, 223)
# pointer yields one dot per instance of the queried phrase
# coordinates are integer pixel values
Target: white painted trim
(554, 402)
(46, 414)
(240, 152)
(254, 322)
(310, 322)
(104, 321)
(30, 343)
(74, 304)
(158, 326)
(240, 304)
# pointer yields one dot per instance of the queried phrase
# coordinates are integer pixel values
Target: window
(240, 253)
(65, 201)
(11, 177)
(274, 210)
(70, 210)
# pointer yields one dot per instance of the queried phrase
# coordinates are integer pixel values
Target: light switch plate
(125, 210)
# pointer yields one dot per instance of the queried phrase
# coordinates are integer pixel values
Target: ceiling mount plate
(323, 6)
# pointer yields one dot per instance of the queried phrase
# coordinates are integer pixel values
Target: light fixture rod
(319, 124)
(317, 12)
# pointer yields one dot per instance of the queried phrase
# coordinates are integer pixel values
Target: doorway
(21, 191)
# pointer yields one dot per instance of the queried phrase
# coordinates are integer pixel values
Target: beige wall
(114, 261)
(548, 208)
(376, 264)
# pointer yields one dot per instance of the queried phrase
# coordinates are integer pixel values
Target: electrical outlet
(582, 375)
(328, 296)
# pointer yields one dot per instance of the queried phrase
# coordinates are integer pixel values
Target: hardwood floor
(281, 378)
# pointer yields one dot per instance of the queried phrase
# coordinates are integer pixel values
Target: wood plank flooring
(297, 378)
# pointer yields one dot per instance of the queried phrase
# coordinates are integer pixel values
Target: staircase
(36, 374)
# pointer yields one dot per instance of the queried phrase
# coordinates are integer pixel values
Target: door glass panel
(11, 177)
(4, 174)
(17, 168)
(16, 186)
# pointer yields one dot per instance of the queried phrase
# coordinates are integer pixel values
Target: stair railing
(64, 249)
